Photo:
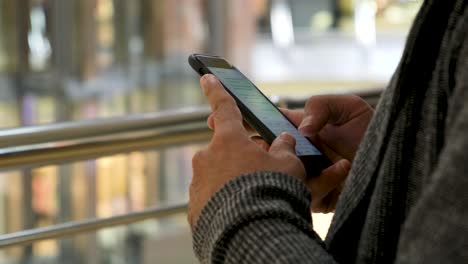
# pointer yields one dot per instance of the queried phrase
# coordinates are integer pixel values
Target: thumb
(318, 111)
(285, 143)
(330, 179)
(330, 109)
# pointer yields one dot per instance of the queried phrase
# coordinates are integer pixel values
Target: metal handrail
(97, 147)
(79, 227)
(93, 128)
(73, 141)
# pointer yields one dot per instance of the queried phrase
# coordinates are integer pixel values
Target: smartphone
(258, 111)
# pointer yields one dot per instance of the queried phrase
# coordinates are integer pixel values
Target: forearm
(259, 218)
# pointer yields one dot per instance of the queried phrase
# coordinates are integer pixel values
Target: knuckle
(258, 140)
(210, 121)
(293, 159)
(217, 142)
(198, 158)
(226, 111)
(310, 102)
(208, 80)
(225, 102)
(189, 217)
(287, 144)
(227, 138)
(289, 157)
(191, 214)
(290, 140)
(355, 98)
(227, 99)
(229, 133)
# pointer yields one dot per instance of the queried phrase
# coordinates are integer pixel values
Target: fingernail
(286, 137)
(306, 121)
(345, 165)
(305, 124)
(208, 79)
(205, 82)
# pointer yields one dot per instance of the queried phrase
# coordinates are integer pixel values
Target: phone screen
(261, 107)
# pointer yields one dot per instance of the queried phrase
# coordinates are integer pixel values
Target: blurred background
(76, 62)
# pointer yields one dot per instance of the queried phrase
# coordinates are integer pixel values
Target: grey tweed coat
(406, 198)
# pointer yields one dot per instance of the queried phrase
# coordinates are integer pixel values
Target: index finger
(226, 114)
(295, 115)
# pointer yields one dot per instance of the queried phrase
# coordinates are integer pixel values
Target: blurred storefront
(73, 60)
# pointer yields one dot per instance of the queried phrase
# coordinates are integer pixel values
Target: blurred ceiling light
(104, 10)
(39, 46)
(395, 15)
(364, 22)
(321, 21)
(282, 29)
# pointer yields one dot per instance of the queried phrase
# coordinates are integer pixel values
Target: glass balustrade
(165, 240)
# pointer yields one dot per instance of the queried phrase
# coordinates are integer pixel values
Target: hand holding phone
(258, 111)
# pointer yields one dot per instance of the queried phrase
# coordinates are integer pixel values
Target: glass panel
(74, 60)
(154, 241)
(324, 46)
(103, 187)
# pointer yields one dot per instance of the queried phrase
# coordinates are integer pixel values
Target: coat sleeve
(436, 230)
(263, 217)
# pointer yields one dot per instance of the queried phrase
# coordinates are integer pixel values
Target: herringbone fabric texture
(406, 198)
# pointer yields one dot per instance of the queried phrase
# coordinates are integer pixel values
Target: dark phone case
(313, 164)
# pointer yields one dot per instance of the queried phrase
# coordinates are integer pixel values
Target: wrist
(249, 197)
